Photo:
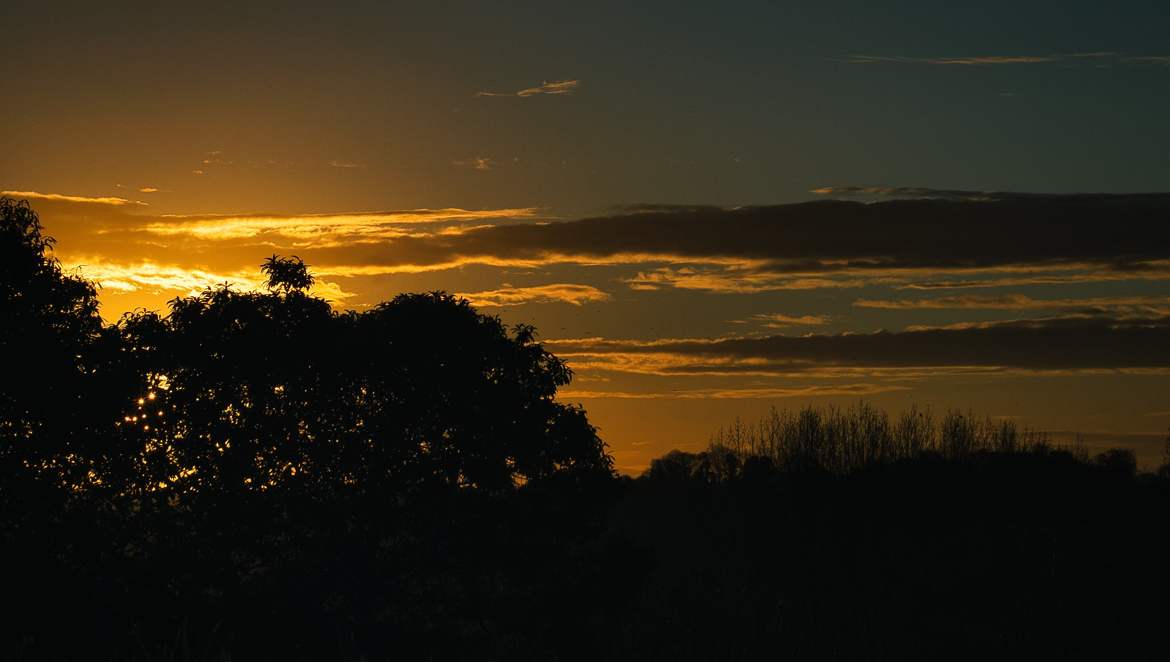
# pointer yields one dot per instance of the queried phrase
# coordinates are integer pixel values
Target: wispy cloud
(1155, 271)
(904, 192)
(476, 163)
(323, 229)
(345, 164)
(552, 87)
(735, 393)
(977, 60)
(1096, 58)
(555, 292)
(147, 275)
(34, 195)
(215, 158)
(148, 189)
(1158, 305)
(1057, 344)
(741, 279)
(782, 321)
(1149, 59)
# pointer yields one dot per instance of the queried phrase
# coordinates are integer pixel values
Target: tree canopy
(233, 391)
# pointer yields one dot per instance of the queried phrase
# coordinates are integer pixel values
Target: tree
(254, 391)
(287, 274)
(263, 391)
(53, 386)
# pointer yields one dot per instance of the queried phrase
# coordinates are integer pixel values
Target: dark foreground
(1034, 553)
(254, 476)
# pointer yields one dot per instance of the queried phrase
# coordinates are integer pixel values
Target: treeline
(257, 476)
(843, 440)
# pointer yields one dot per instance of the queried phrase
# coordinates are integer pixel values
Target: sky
(707, 209)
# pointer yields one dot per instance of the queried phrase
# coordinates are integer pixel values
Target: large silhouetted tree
(251, 391)
(254, 391)
(56, 388)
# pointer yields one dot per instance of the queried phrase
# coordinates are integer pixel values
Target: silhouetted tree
(247, 391)
(53, 385)
(287, 274)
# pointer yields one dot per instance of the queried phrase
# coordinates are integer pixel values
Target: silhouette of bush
(1119, 461)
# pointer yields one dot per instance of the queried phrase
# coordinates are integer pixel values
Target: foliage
(287, 274)
(56, 385)
(842, 440)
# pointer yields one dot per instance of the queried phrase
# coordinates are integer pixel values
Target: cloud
(556, 292)
(782, 321)
(914, 243)
(147, 275)
(476, 163)
(907, 192)
(1098, 57)
(345, 164)
(215, 158)
(79, 199)
(328, 229)
(197, 172)
(737, 279)
(822, 239)
(553, 87)
(1135, 305)
(855, 390)
(977, 60)
(148, 189)
(1149, 59)
(1157, 270)
(1059, 344)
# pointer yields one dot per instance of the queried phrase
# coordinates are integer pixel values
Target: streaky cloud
(977, 60)
(79, 199)
(825, 237)
(1082, 342)
(783, 321)
(1145, 304)
(1098, 57)
(570, 293)
(735, 393)
(148, 275)
(550, 87)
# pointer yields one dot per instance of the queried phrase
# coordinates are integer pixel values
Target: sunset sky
(708, 210)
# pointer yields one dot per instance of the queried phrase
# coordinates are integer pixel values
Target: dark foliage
(256, 476)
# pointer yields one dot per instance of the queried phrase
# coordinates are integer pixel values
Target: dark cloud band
(1075, 343)
(1118, 231)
